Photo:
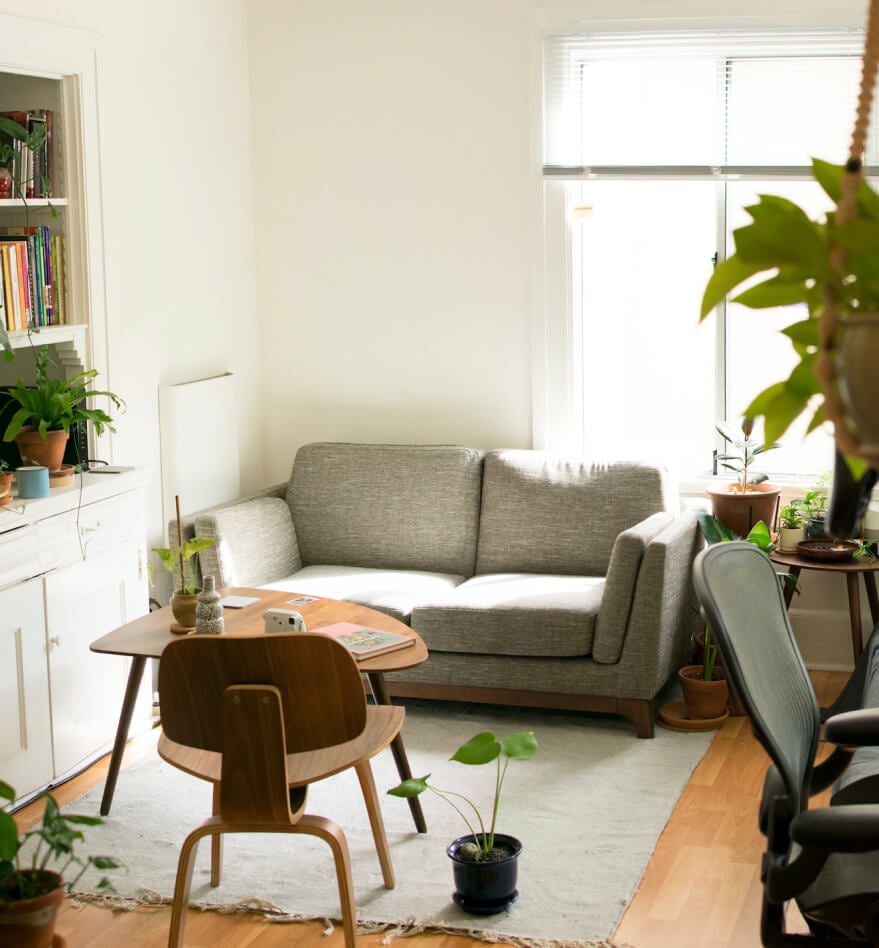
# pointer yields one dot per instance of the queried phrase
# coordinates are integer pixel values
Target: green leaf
(776, 291)
(8, 836)
(6, 792)
(520, 746)
(860, 235)
(781, 234)
(104, 862)
(478, 750)
(803, 333)
(714, 531)
(410, 788)
(727, 275)
(760, 536)
(829, 177)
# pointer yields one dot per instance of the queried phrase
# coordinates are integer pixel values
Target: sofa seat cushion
(394, 592)
(514, 614)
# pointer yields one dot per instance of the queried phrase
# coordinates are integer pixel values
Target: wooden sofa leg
(640, 712)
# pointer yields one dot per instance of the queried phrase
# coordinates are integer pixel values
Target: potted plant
(484, 862)
(791, 526)
(41, 424)
(30, 892)
(749, 499)
(179, 562)
(704, 686)
(830, 265)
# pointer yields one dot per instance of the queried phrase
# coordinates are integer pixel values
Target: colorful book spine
(58, 299)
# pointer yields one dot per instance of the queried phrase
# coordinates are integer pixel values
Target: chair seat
(844, 889)
(383, 723)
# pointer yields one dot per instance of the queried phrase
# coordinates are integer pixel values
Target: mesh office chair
(826, 859)
(262, 717)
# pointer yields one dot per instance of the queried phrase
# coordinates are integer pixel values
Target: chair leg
(333, 835)
(376, 821)
(183, 882)
(216, 843)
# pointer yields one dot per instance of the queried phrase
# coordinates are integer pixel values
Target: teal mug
(32, 482)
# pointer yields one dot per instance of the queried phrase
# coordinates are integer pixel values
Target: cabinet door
(83, 602)
(25, 726)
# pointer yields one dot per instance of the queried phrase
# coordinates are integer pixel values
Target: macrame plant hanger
(849, 440)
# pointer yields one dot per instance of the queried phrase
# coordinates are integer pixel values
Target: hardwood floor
(701, 888)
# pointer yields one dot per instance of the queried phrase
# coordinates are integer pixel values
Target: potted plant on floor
(30, 892)
(705, 690)
(749, 499)
(48, 409)
(484, 862)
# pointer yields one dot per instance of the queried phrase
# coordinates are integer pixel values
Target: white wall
(395, 171)
(176, 211)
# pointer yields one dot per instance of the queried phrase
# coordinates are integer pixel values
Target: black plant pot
(485, 887)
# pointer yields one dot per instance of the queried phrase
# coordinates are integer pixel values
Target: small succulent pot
(485, 886)
(790, 537)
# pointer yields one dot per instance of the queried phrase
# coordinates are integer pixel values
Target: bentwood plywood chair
(826, 859)
(262, 717)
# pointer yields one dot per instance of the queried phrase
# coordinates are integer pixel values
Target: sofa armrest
(255, 543)
(664, 615)
(619, 588)
(188, 525)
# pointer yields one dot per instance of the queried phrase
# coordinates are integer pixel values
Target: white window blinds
(702, 102)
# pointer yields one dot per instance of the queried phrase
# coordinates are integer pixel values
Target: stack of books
(32, 280)
(33, 168)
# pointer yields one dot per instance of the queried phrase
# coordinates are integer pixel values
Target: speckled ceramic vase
(208, 610)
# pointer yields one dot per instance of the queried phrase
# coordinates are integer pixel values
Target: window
(653, 145)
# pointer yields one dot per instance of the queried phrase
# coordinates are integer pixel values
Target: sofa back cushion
(543, 513)
(387, 505)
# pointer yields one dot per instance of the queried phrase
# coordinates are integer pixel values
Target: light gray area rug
(589, 808)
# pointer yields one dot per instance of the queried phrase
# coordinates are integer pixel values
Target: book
(363, 642)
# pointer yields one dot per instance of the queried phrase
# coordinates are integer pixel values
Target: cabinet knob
(54, 641)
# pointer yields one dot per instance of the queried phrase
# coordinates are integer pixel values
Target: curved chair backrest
(322, 694)
(743, 603)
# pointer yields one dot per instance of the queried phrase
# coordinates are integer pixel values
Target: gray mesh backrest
(743, 602)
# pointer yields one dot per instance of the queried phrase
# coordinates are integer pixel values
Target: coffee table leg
(380, 693)
(135, 675)
(854, 609)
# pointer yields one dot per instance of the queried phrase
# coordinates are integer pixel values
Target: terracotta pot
(37, 452)
(740, 511)
(183, 609)
(704, 699)
(30, 923)
(6, 489)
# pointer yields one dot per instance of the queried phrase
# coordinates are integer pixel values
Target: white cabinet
(80, 556)
(25, 725)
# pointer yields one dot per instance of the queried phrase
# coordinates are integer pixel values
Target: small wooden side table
(852, 568)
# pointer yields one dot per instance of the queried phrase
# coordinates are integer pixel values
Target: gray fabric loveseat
(534, 580)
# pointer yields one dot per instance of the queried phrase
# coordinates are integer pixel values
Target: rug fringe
(403, 928)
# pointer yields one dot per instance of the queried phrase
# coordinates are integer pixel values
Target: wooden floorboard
(701, 887)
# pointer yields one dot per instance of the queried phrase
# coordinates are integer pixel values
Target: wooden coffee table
(148, 636)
